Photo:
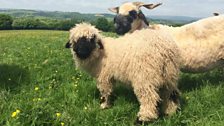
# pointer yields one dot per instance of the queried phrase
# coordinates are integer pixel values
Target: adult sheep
(149, 64)
(201, 43)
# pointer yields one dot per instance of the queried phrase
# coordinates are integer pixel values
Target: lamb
(201, 43)
(150, 65)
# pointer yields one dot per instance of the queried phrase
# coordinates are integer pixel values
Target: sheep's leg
(170, 101)
(105, 87)
(174, 103)
(148, 99)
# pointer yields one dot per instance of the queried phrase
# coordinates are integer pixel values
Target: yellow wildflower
(85, 108)
(36, 88)
(17, 111)
(62, 124)
(187, 98)
(36, 99)
(14, 114)
(58, 114)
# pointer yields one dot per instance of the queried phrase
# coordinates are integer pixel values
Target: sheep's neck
(138, 26)
(92, 66)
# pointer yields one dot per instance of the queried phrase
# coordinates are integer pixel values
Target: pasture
(39, 85)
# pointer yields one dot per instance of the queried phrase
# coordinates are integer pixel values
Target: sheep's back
(201, 43)
(151, 54)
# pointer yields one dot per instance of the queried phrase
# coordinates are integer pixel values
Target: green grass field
(39, 86)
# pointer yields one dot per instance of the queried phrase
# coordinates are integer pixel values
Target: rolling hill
(18, 13)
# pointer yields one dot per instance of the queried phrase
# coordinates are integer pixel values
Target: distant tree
(65, 24)
(44, 23)
(19, 23)
(41, 24)
(103, 24)
(111, 26)
(24, 23)
(28, 23)
(5, 22)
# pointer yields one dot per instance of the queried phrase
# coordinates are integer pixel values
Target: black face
(84, 47)
(123, 23)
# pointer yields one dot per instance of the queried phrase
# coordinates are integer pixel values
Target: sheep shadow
(189, 82)
(122, 91)
(12, 77)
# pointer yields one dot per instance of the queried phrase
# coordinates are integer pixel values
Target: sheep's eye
(92, 40)
(133, 14)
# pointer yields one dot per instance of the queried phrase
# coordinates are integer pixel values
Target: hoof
(142, 123)
(138, 122)
(105, 106)
(102, 100)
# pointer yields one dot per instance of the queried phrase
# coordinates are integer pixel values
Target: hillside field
(39, 86)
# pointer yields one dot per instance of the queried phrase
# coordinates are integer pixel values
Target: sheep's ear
(151, 6)
(148, 6)
(114, 9)
(216, 14)
(68, 44)
(138, 4)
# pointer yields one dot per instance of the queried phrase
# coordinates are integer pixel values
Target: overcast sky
(193, 8)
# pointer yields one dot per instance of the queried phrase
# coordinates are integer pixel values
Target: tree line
(8, 23)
